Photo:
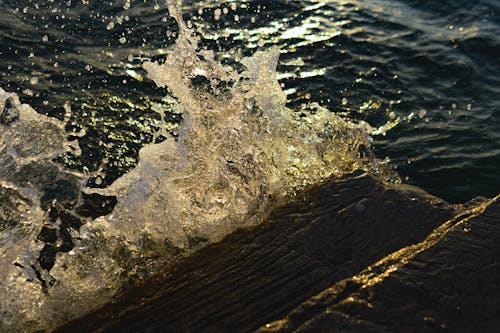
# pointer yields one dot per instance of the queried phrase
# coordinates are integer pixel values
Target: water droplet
(217, 14)
(28, 92)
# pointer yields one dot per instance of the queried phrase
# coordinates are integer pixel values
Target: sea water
(167, 134)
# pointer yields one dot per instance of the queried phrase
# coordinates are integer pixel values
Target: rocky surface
(431, 267)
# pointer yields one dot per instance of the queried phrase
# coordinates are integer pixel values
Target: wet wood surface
(268, 277)
(450, 282)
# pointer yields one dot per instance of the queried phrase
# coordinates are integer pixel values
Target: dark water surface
(429, 68)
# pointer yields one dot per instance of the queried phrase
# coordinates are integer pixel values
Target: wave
(239, 153)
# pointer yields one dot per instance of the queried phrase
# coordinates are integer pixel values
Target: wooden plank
(256, 276)
(450, 282)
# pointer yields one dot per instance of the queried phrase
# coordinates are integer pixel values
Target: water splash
(239, 152)
(30, 186)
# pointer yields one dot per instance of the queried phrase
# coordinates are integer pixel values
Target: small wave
(239, 152)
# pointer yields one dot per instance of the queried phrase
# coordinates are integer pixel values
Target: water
(369, 60)
(424, 76)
